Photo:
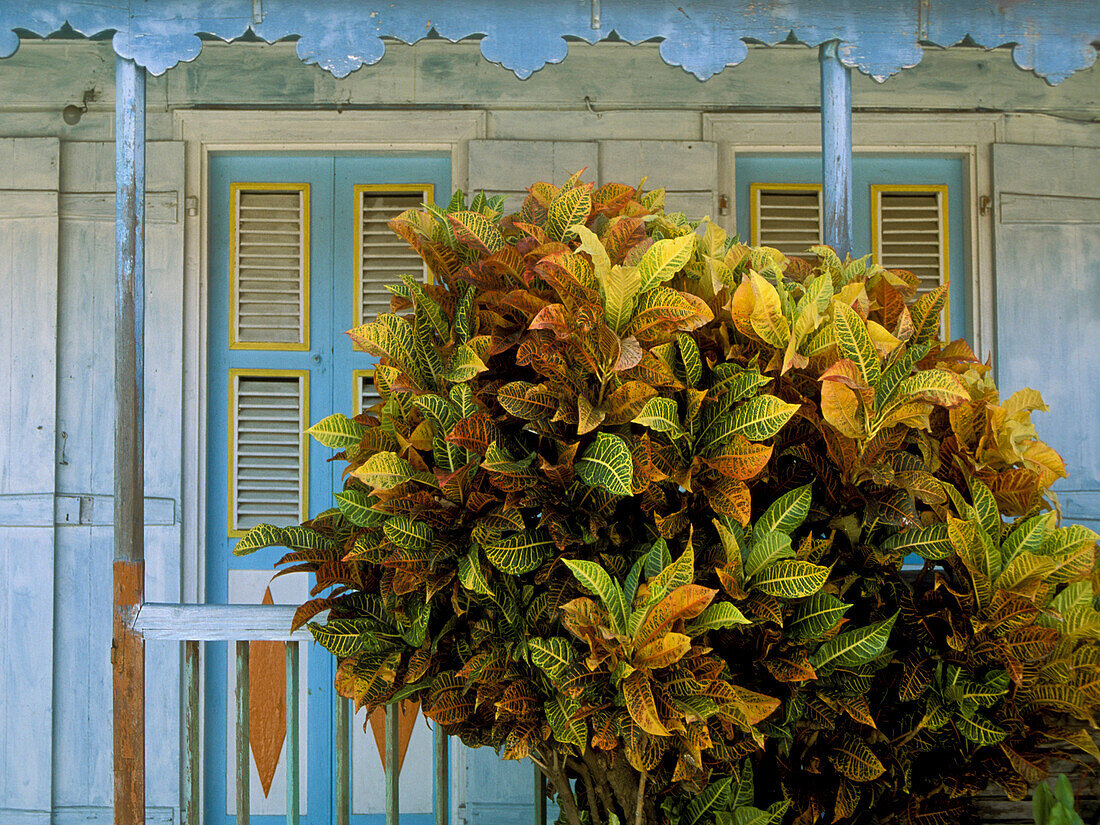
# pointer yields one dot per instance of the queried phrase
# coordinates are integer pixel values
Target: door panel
(327, 369)
(1047, 256)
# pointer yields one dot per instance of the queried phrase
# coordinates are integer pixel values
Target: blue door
(298, 253)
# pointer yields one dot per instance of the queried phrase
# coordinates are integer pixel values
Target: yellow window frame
(303, 440)
(360, 189)
(941, 191)
(235, 190)
(754, 203)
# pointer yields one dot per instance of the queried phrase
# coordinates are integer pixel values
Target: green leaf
(979, 730)
(985, 507)
(816, 616)
(338, 432)
(900, 369)
(384, 471)
(690, 358)
(657, 559)
(761, 417)
(765, 549)
(356, 507)
(856, 761)
(929, 542)
(570, 207)
(551, 655)
(597, 581)
(1026, 537)
(464, 365)
(620, 288)
(408, 534)
(471, 574)
(520, 552)
(262, 535)
(607, 464)
(717, 616)
(856, 647)
(661, 415)
(791, 579)
(342, 637)
(474, 229)
(787, 512)
(714, 797)
(854, 342)
(664, 259)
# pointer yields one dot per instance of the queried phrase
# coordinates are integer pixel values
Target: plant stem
(641, 801)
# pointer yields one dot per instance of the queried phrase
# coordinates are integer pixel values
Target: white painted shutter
(270, 271)
(507, 167)
(786, 217)
(28, 353)
(910, 232)
(268, 448)
(383, 256)
(686, 169)
(1047, 293)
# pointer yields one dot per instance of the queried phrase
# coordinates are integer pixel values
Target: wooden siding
(85, 307)
(28, 379)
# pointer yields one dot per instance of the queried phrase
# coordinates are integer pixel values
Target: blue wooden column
(836, 149)
(128, 647)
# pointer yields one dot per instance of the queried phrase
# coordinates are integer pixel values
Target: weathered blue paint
(1053, 38)
(836, 150)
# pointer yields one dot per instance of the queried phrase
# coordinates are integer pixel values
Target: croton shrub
(709, 534)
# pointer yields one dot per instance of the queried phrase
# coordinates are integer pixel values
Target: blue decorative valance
(1053, 38)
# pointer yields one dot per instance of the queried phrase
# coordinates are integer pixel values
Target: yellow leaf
(639, 703)
(840, 407)
(767, 317)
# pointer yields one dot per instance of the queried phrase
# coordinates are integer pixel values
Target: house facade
(268, 184)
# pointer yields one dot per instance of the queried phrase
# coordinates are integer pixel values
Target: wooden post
(127, 646)
(836, 149)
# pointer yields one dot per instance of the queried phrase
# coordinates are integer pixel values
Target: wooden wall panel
(28, 344)
(85, 409)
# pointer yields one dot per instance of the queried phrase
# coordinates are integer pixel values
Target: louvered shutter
(268, 469)
(909, 231)
(364, 390)
(382, 256)
(786, 216)
(269, 291)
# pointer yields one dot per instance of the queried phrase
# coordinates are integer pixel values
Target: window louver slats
(267, 472)
(911, 235)
(365, 393)
(384, 257)
(788, 219)
(270, 267)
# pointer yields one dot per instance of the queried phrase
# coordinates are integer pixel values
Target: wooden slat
(539, 797)
(270, 248)
(191, 756)
(293, 755)
(217, 622)
(385, 256)
(789, 220)
(393, 765)
(243, 756)
(342, 746)
(442, 778)
(267, 460)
